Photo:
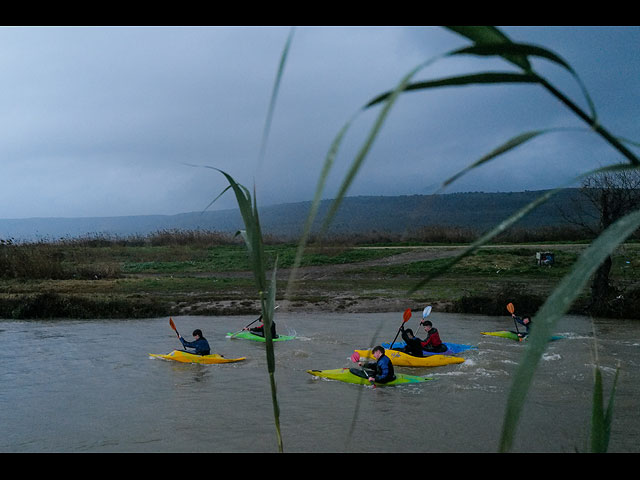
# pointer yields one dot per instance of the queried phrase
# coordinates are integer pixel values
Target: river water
(90, 386)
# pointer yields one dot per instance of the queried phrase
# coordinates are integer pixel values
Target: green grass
(491, 263)
(178, 275)
(234, 258)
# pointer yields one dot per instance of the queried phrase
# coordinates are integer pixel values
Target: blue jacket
(521, 322)
(201, 346)
(384, 370)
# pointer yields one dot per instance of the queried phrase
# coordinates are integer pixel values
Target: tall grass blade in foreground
(356, 411)
(601, 419)
(274, 96)
(252, 236)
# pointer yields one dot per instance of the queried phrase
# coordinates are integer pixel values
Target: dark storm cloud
(101, 121)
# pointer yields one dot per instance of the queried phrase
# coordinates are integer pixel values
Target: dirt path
(413, 254)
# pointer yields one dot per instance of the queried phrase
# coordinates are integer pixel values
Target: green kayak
(257, 338)
(514, 335)
(345, 375)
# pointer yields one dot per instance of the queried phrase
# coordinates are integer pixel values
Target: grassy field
(132, 279)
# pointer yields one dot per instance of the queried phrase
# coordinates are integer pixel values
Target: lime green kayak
(344, 375)
(514, 336)
(257, 338)
(186, 357)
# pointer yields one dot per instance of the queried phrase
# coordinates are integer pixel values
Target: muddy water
(90, 386)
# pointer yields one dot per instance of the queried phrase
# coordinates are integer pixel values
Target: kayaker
(432, 343)
(524, 321)
(260, 329)
(413, 344)
(382, 367)
(200, 344)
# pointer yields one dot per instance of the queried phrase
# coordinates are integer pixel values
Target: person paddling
(200, 344)
(525, 321)
(260, 329)
(413, 345)
(382, 367)
(432, 343)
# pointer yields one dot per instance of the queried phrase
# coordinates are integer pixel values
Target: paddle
(259, 318)
(425, 313)
(405, 317)
(355, 358)
(173, 325)
(511, 309)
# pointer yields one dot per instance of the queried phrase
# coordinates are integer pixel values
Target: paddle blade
(426, 311)
(173, 325)
(355, 357)
(407, 315)
(510, 308)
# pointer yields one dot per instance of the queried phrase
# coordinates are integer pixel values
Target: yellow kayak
(402, 359)
(186, 357)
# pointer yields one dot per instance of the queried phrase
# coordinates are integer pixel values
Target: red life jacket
(433, 339)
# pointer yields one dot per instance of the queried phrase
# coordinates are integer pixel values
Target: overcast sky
(100, 121)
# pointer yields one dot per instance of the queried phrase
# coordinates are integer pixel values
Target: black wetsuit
(413, 345)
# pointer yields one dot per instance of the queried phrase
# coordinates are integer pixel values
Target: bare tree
(604, 198)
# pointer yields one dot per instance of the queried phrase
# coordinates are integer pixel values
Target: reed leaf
(494, 44)
(507, 146)
(274, 96)
(481, 35)
(598, 429)
(315, 205)
(330, 159)
(509, 49)
(252, 236)
(601, 419)
(268, 304)
(358, 402)
(461, 80)
(528, 76)
(366, 147)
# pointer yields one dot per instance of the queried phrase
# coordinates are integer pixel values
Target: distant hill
(363, 214)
